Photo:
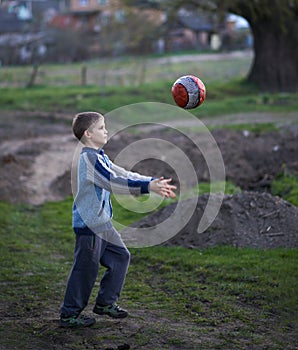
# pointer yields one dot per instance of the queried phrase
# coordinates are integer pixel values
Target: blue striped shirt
(98, 177)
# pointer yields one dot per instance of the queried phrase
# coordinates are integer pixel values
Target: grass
(209, 290)
(118, 82)
(228, 298)
(126, 71)
(237, 98)
(256, 128)
(187, 281)
(286, 186)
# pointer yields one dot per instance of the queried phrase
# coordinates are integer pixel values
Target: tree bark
(275, 65)
(274, 26)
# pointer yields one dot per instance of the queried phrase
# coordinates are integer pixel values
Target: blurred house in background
(74, 30)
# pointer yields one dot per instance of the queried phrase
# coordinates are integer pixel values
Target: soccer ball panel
(181, 93)
(188, 92)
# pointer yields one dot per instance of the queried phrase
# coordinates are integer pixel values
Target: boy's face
(97, 135)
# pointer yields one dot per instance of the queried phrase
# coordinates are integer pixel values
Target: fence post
(84, 75)
(142, 76)
(33, 75)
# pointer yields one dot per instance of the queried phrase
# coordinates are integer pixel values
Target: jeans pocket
(93, 241)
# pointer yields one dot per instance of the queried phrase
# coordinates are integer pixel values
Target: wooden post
(33, 75)
(84, 76)
(142, 77)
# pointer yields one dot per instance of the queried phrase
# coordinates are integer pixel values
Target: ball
(188, 92)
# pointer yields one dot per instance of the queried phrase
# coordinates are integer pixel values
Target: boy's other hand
(162, 187)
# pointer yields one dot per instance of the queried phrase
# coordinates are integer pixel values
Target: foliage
(69, 46)
(280, 11)
(134, 34)
(274, 25)
(251, 10)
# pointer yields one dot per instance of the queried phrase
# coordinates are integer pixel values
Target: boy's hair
(83, 121)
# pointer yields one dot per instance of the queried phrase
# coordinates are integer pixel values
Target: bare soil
(146, 330)
(247, 219)
(36, 153)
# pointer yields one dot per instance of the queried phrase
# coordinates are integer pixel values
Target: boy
(97, 241)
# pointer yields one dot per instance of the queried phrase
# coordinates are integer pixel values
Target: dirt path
(280, 119)
(203, 57)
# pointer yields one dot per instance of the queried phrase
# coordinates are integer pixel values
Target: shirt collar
(88, 149)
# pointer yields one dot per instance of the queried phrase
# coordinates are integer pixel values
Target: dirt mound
(251, 160)
(36, 156)
(247, 219)
(36, 151)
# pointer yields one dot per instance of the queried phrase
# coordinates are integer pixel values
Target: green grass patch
(214, 285)
(127, 71)
(228, 186)
(241, 291)
(74, 99)
(256, 128)
(113, 84)
(286, 186)
(33, 245)
(79, 98)
(118, 82)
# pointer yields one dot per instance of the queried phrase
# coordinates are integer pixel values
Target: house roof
(9, 23)
(196, 22)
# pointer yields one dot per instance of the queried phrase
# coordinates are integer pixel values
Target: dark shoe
(76, 321)
(111, 310)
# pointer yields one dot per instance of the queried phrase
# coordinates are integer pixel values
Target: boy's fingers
(170, 188)
(167, 180)
(168, 193)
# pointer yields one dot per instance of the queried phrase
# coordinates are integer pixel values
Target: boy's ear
(87, 134)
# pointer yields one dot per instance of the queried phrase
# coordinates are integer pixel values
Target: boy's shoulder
(93, 153)
(90, 152)
(87, 149)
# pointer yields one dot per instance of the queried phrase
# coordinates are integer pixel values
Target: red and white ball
(189, 92)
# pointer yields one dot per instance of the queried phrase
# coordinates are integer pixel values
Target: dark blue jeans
(90, 252)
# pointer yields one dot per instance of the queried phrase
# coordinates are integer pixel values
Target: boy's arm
(128, 174)
(160, 186)
(100, 174)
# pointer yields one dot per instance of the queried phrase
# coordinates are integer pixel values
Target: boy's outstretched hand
(162, 187)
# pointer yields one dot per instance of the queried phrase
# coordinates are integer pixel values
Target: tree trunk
(275, 66)
(274, 24)
(33, 76)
